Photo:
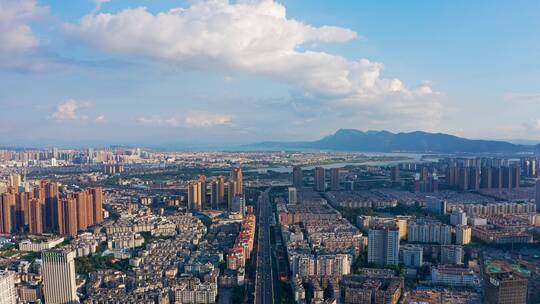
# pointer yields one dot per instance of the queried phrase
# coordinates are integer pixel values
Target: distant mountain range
(384, 141)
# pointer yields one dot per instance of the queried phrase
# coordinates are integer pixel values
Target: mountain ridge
(384, 141)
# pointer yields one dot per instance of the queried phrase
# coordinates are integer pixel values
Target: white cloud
(206, 120)
(538, 124)
(257, 37)
(190, 120)
(100, 119)
(522, 97)
(67, 111)
(18, 43)
(158, 121)
(15, 33)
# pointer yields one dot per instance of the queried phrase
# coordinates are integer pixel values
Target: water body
(413, 158)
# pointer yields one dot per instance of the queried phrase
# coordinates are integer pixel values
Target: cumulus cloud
(18, 43)
(67, 111)
(190, 120)
(256, 37)
(15, 33)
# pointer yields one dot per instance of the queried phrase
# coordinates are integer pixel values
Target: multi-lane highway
(264, 285)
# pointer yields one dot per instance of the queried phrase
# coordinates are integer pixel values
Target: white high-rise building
(458, 217)
(429, 232)
(8, 294)
(383, 246)
(333, 265)
(59, 277)
(293, 195)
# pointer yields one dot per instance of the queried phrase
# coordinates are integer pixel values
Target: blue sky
(76, 73)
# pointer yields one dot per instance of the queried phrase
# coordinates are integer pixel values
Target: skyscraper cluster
(205, 193)
(45, 209)
(478, 174)
(320, 179)
(426, 181)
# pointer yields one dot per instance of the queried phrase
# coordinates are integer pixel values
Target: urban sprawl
(134, 225)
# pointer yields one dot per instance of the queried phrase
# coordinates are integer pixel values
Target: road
(264, 286)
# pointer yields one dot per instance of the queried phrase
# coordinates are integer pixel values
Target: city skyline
(221, 73)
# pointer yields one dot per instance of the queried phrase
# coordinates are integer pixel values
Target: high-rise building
(463, 235)
(497, 178)
(426, 231)
(214, 195)
(474, 178)
(52, 210)
(232, 187)
(401, 224)
(508, 177)
(216, 192)
(69, 218)
(90, 218)
(297, 177)
(458, 217)
(383, 245)
(451, 255)
(55, 153)
(8, 294)
(320, 179)
(59, 277)
(452, 175)
(516, 175)
(293, 195)
(221, 185)
(412, 255)
(194, 196)
(463, 180)
(239, 204)
(238, 177)
(334, 179)
(35, 217)
(7, 212)
(81, 199)
(203, 188)
(505, 288)
(21, 209)
(435, 205)
(15, 181)
(486, 177)
(97, 204)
